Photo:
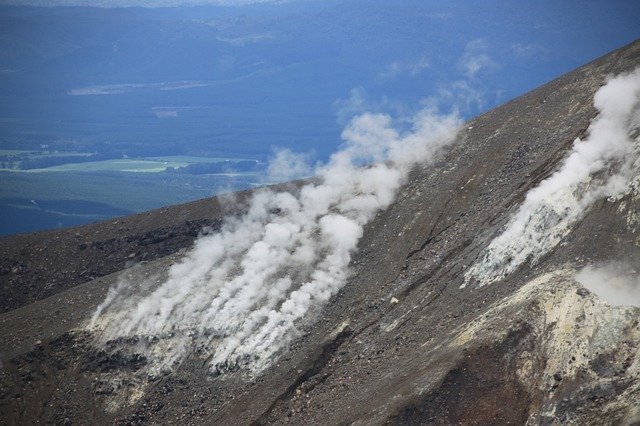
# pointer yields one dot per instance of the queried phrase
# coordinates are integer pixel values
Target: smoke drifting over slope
(616, 282)
(239, 295)
(602, 165)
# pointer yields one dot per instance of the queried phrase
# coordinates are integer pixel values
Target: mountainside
(469, 298)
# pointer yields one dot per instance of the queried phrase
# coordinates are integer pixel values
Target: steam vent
(485, 272)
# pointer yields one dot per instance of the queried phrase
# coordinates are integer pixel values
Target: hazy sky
(140, 3)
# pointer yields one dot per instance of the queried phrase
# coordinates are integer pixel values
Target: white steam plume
(600, 166)
(240, 293)
(617, 283)
(286, 165)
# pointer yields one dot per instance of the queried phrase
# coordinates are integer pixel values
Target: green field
(130, 191)
(121, 165)
(133, 165)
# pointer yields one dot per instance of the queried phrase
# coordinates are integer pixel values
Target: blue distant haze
(238, 81)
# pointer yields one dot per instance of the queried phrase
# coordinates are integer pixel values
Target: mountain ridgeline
(477, 273)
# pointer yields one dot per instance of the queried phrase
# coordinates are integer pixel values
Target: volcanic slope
(415, 336)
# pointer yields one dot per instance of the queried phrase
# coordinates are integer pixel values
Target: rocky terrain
(408, 340)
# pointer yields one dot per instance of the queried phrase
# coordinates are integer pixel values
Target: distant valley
(69, 189)
(92, 97)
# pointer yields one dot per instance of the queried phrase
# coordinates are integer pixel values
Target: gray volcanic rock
(402, 342)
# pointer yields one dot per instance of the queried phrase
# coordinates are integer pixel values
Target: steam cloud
(603, 165)
(239, 295)
(287, 165)
(616, 282)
